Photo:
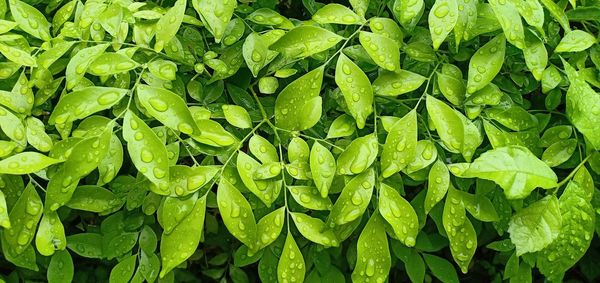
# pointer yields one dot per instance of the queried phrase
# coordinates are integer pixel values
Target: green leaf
(575, 41)
(80, 62)
(298, 105)
(60, 269)
(443, 17)
(400, 145)
(112, 162)
(237, 116)
(451, 84)
(322, 167)
(315, 230)
(30, 20)
(532, 12)
(583, 106)
(168, 108)
(182, 242)
(336, 14)
(486, 63)
(85, 102)
(342, 126)
(110, 64)
(4, 219)
(415, 267)
(550, 78)
(358, 156)
(237, 213)
(386, 27)
(84, 158)
(268, 17)
(147, 152)
(17, 55)
(513, 117)
(373, 255)
(269, 227)
(291, 265)
(426, 154)
(399, 214)
(149, 266)
(514, 168)
(356, 88)
(24, 217)
(457, 132)
(384, 51)
(37, 136)
(310, 198)
(576, 231)
(535, 53)
(94, 199)
(186, 180)
(397, 83)
(20, 99)
(558, 14)
(360, 6)
(169, 23)
(511, 22)
(263, 149)
(123, 271)
(256, 53)
(12, 127)
(298, 150)
(50, 236)
(536, 226)
(439, 182)
(163, 69)
(467, 19)
(266, 190)
(408, 13)
(559, 152)
(173, 211)
(26, 163)
(215, 15)
(304, 41)
(460, 231)
(354, 199)
(479, 206)
(441, 268)
(87, 245)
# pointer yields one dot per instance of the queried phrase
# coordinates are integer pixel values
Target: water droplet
(401, 145)
(349, 19)
(356, 198)
(256, 57)
(235, 211)
(346, 69)
(146, 155)
(185, 128)
(441, 11)
(158, 104)
(370, 270)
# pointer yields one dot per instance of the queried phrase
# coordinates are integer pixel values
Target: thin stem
(32, 180)
(285, 197)
(186, 147)
(570, 176)
(345, 43)
(233, 152)
(427, 85)
(244, 21)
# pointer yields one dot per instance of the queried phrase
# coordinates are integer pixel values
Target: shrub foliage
(291, 141)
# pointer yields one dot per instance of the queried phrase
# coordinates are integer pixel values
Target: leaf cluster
(243, 141)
